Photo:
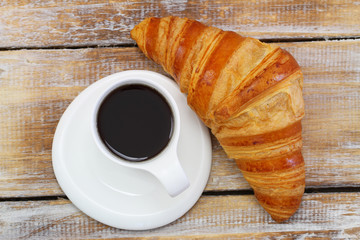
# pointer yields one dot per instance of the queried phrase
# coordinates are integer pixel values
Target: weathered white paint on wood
(332, 124)
(36, 86)
(321, 216)
(103, 22)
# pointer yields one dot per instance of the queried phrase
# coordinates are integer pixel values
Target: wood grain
(103, 22)
(36, 86)
(321, 216)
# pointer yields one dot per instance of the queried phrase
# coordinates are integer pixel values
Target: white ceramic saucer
(119, 196)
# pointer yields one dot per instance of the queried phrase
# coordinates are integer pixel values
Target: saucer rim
(75, 194)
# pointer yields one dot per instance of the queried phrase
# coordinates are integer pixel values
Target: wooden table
(52, 50)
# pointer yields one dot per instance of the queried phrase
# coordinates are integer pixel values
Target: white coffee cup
(165, 166)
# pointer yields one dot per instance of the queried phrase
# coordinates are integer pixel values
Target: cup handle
(173, 177)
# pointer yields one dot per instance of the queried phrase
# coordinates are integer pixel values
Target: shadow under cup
(135, 122)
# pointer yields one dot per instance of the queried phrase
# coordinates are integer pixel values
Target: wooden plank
(331, 127)
(38, 85)
(103, 22)
(320, 216)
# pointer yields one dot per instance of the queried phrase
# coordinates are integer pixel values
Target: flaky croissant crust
(247, 92)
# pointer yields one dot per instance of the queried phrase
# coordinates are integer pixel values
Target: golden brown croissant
(247, 92)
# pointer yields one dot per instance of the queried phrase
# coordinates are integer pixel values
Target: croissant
(247, 92)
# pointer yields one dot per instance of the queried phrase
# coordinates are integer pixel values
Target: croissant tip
(282, 213)
(280, 219)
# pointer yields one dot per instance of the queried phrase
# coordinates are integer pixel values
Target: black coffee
(135, 122)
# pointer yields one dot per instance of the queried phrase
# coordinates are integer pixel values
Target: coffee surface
(135, 122)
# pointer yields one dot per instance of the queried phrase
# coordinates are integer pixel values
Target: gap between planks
(206, 193)
(125, 45)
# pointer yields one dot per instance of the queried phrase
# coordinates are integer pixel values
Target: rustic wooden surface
(104, 22)
(51, 50)
(233, 217)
